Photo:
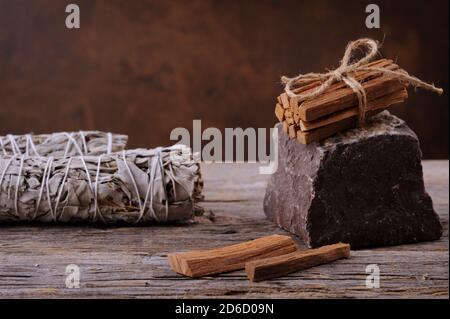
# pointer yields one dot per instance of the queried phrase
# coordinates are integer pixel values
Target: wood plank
(131, 262)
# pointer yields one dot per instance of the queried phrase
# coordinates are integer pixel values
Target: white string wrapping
(160, 174)
(10, 144)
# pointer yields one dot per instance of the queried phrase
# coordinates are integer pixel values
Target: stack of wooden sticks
(336, 109)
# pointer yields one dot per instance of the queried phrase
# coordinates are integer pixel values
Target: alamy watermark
(373, 19)
(72, 279)
(73, 17)
(373, 278)
(236, 145)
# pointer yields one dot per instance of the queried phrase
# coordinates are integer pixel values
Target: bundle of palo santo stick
(318, 105)
(336, 109)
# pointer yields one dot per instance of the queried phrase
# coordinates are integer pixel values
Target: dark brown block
(364, 187)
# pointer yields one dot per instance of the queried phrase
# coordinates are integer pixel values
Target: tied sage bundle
(62, 144)
(143, 185)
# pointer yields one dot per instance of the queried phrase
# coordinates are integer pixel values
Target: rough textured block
(363, 187)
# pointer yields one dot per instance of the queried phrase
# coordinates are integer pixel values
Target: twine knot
(343, 74)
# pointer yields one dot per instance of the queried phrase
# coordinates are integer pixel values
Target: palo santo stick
(284, 100)
(274, 267)
(380, 103)
(293, 131)
(279, 112)
(296, 118)
(229, 258)
(358, 75)
(326, 131)
(344, 98)
(279, 100)
(290, 120)
(285, 127)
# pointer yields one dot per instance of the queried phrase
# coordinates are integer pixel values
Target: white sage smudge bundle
(62, 144)
(133, 186)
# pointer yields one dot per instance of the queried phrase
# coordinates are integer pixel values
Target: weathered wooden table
(131, 261)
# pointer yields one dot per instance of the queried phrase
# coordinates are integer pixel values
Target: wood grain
(279, 112)
(131, 262)
(278, 266)
(380, 103)
(225, 259)
(323, 132)
(344, 98)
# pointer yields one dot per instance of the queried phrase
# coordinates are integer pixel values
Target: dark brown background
(143, 67)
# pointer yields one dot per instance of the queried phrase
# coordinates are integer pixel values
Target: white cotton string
(81, 157)
(69, 142)
(15, 148)
(41, 191)
(61, 188)
(173, 179)
(163, 184)
(5, 169)
(47, 183)
(133, 181)
(156, 163)
(109, 149)
(31, 144)
(3, 147)
(26, 146)
(150, 190)
(83, 140)
(92, 187)
(97, 177)
(88, 175)
(16, 193)
(74, 142)
(14, 144)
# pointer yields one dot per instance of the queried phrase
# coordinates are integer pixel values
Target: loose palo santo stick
(278, 266)
(229, 258)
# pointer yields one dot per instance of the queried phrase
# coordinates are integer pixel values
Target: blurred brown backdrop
(143, 67)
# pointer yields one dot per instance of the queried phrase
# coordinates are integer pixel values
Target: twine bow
(343, 73)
